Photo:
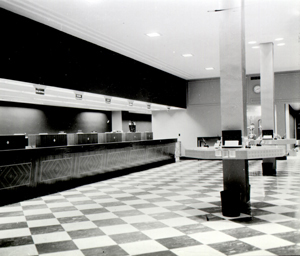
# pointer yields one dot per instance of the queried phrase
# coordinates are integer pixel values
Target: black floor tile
(292, 224)
(249, 221)
(63, 209)
(93, 211)
(83, 233)
(11, 214)
(129, 237)
(46, 229)
(293, 237)
(194, 228)
(233, 247)
(128, 213)
(109, 222)
(16, 241)
(149, 225)
(73, 219)
(13, 225)
(40, 216)
(165, 215)
(34, 207)
(56, 247)
(287, 250)
(105, 251)
(164, 253)
(178, 242)
(242, 232)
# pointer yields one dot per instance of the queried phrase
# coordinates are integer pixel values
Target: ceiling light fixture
(279, 39)
(154, 34)
(211, 68)
(281, 44)
(186, 55)
(252, 42)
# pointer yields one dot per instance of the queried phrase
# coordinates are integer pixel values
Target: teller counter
(61, 166)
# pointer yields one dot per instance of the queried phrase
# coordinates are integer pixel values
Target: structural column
(116, 120)
(267, 86)
(267, 99)
(233, 93)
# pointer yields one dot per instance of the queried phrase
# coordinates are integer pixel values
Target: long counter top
(273, 142)
(254, 152)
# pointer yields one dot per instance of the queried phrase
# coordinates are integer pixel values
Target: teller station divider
(34, 171)
(68, 139)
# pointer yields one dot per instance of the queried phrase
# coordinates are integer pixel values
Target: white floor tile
(197, 251)
(191, 212)
(212, 237)
(101, 216)
(138, 219)
(202, 206)
(120, 208)
(67, 214)
(222, 225)
(271, 228)
(79, 225)
(274, 217)
(14, 233)
(118, 229)
(10, 209)
(266, 242)
(256, 253)
(88, 206)
(19, 250)
(94, 242)
(175, 222)
(51, 237)
(41, 223)
(143, 247)
(36, 211)
(4, 220)
(153, 210)
(60, 204)
(162, 233)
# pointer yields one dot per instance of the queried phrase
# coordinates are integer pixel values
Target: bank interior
(118, 144)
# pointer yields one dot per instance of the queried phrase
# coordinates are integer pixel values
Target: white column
(232, 66)
(267, 85)
(116, 120)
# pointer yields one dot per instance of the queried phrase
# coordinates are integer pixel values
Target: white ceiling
(186, 26)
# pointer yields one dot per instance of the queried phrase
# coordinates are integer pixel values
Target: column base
(269, 167)
(236, 194)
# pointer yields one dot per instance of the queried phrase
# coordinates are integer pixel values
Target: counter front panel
(35, 166)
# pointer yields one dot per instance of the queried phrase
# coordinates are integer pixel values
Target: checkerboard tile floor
(170, 210)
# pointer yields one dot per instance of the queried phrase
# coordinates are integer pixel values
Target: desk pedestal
(236, 178)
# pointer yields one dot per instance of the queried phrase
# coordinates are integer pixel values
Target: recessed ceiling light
(187, 55)
(281, 44)
(154, 34)
(211, 68)
(279, 39)
(252, 42)
(255, 47)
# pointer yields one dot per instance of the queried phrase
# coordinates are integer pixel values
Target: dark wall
(33, 119)
(143, 121)
(33, 52)
(296, 117)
